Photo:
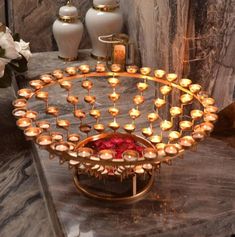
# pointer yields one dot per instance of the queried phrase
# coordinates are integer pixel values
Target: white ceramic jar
(104, 18)
(68, 30)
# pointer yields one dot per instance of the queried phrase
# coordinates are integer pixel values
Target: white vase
(104, 18)
(68, 30)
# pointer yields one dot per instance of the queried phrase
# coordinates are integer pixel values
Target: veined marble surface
(22, 209)
(193, 197)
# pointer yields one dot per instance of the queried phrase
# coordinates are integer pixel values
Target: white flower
(8, 45)
(23, 48)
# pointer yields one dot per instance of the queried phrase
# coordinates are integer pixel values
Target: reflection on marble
(193, 197)
(22, 208)
(33, 21)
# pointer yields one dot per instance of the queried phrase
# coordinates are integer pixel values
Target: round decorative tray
(154, 126)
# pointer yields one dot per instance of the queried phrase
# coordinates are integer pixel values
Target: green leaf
(16, 37)
(19, 65)
(2, 52)
(5, 81)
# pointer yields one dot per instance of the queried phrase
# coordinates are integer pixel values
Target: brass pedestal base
(136, 193)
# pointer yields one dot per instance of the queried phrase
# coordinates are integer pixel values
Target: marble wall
(195, 39)
(33, 19)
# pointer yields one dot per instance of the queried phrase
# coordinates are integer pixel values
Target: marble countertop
(193, 197)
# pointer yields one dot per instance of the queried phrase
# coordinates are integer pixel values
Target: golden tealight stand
(162, 141)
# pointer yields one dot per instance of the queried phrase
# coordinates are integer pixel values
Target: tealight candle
(165, 90)
(171, 77)
(175, 111)
(87, 84)
(67, 85)
(73, 162)
(52, 110)
(129, 127)
(186, 98)
(114, 125)
(19, 103)
(150, 153)
(186, 141)
(185, 125)
(42, 95)
(152, 117)
(71, 71)
(99, 127)
(79, 114)
(72, 99)
(184, 82)
(147, 132)
(138, 99)
(195, 88)
(211, 109)
(196, 114)
(26, 93)
(100, 67)
(171, 150)
(166, 125)
(159, 102)
(85, 128)
(145, 70)
(23, 122)
(116, 67)
(61, 146)
(139, 169)
(46, 78)
(31, 114)
(32, 131)
(73, 154)
(159, 73)
(142, 86)
(90, 99)
(19, 113)
(207, 126)
(198, 136)
(84, 152)
(113, 111)
(130, 155)
(147, 166)
(58, 74)
(210, 117)
(208, 101)
(174, 135)
(63, 123)
(44, 140)
(113, 81)
(73, 137)
(132, 69)
(36, 84)
(106, 154)
(160, 146)
(56, 136)
(155, 139)
(43, 124)
(84, 68)
(134, 113)
(95, 113)
(114, 96)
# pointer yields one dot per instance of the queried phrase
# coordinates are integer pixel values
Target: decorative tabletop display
(68, 30)
(14, 55)
(119, 149)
